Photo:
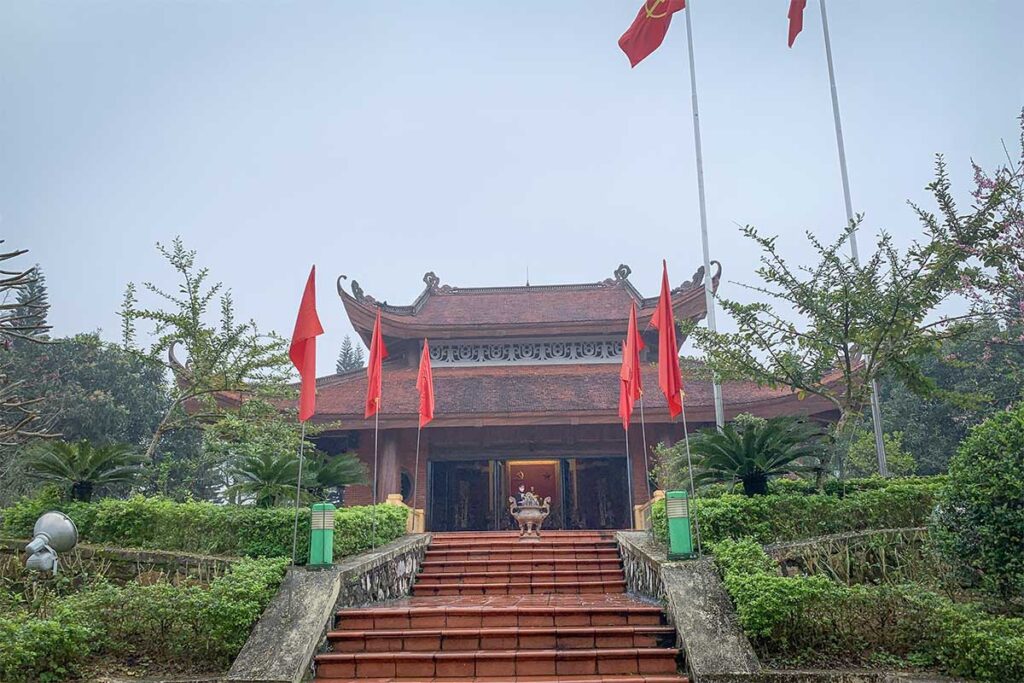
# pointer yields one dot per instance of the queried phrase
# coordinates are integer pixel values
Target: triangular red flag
(670, 379)
(630, 382)
(648, 30)
(374, 372)
(796, 19)
(303, 347)
(425, 386)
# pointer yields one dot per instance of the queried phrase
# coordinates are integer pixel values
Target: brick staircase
(489, 608)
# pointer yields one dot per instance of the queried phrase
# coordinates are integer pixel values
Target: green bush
(188, 627)
(809, 619)
(869, 504)
(159, 523)
(980, 520)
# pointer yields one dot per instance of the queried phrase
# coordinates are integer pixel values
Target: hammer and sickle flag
(648, 30)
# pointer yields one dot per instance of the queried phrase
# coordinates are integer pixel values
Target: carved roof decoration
(446, 311)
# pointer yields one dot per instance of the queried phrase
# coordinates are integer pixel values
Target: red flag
(378, 352)
(425, 385)
(303, 348)
(648, 30)
(630, 382)
(670, 379)
(796, 19)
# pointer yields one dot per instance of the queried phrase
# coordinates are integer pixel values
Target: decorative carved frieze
(527, 352)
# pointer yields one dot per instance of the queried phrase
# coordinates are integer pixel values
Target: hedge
(792, 516)
(187, 627)
(812, 619)
(198, 527)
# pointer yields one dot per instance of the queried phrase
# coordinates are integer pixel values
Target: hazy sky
(475, 139)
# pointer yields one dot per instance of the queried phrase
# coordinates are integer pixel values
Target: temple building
(527, 385)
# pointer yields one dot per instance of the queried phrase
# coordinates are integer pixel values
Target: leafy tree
(858, 321)
(81, 467)
(861, 460)
(350, 357)
(19, 322)
(980, 517)
(258, 445)
(33, 301)
(752, 450)
(226, 358)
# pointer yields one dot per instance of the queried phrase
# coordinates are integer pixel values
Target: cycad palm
(335, 471)
(755, 451)
(265, 477)
(83, 467)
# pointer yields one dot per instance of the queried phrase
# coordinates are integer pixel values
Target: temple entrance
(472, 495)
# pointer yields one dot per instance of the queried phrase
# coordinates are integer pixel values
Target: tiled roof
(589, 392)
(443, 311)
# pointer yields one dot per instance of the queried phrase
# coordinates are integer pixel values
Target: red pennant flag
(378, 352)
(670, 379)
(648, 30)
(303, 348)
(631, 384)
(796, 19)
(425, 385)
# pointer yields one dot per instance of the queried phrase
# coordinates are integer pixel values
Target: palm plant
(754, 450)
(267, 478)
(83, 467)
(334, 472)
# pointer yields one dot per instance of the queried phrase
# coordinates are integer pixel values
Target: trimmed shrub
(189, 627)
(793, 516)
(810, 619)
(979, 524)
(197, 527)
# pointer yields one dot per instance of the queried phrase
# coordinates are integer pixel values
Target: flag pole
(689, 465)
(643, 434)
(415, 474)
(629, 482)
(876, 411)
(709, 296)
(298, 492)
(373, 512)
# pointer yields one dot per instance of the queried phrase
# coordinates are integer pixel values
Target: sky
(478, 140)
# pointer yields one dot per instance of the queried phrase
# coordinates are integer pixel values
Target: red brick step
(501, 638)
(480, 663)
(521, 588)
(521, 615)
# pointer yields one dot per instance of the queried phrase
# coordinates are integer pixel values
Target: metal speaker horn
(54, 532)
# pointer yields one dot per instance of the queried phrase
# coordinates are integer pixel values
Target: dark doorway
(472, 495)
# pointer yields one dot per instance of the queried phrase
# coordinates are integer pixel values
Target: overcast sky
(475, 139)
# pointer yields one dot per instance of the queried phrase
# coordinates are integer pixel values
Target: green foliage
(33, 301)
(792, 516)
(226, 356)
(259, 445)
(832, 327)
(350, 357)
(862, 460)
(198, 527)
(809, 619)
(752, 451)
(980, 521)
(81, 468)
(187, 626)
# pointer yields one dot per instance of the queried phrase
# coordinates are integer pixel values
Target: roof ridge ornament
(431, 280)
(693, 282)
(623, 272)
(357, 293)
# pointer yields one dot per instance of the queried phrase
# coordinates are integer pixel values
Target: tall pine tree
(33, 303)
(350, 357)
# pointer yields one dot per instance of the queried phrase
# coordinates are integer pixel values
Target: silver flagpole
(298, 494)
(708, 294)
(643, 434)
(373, 513)
(689, 465)
(415, 474)
(629, 483)
(876, 411)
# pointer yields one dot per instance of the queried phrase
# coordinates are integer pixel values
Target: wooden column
(388, 480)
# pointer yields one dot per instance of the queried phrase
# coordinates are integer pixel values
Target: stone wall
(121, 564)
(283, 643)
